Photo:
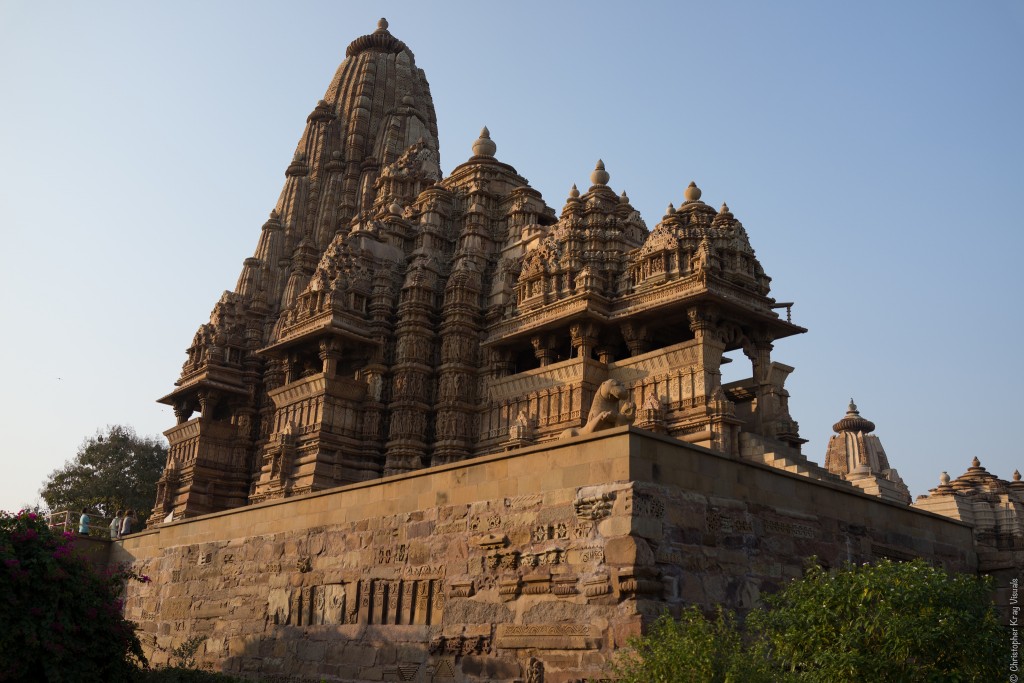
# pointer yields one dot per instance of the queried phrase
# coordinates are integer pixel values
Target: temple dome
(380, 40)
(853, 422)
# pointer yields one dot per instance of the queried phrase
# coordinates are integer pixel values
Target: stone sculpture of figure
(520, 429)
(535, 671)
(609, 409)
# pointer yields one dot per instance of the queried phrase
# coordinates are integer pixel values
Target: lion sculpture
(609, 409)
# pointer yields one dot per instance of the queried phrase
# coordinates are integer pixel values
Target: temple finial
(484, 146)
(574, 193)
(382, 25)
(692, 192)
(599, 176)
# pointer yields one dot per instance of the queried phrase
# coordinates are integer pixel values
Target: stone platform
(534, 564)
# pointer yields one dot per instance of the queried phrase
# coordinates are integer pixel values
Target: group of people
(124, 523)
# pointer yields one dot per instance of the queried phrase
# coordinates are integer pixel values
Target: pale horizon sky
(872, 150)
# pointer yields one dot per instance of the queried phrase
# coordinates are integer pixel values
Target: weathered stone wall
(544, 559)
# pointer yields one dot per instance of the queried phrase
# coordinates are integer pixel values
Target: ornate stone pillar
(637, 338)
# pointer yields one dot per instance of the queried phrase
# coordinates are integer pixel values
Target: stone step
(804, 468)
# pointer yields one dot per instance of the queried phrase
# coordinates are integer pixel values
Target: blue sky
(873, 151)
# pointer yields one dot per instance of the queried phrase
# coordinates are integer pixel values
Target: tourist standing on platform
(115, 525)
(83, 522)
(130, 523)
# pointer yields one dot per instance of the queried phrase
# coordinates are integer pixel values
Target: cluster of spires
(484, 146)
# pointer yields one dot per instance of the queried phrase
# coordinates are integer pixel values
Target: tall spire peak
(599, 176)
(382, 25)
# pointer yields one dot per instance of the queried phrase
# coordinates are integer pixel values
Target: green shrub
(894, 622)
(887, 621)
(691, 649)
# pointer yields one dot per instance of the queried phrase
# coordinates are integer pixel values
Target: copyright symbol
(1013, 678)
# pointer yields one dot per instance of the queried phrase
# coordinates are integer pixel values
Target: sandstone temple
(443, 431)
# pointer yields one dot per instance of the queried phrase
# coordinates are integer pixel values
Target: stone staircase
(797, 465)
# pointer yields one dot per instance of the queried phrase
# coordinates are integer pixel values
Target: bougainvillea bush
(60, 619)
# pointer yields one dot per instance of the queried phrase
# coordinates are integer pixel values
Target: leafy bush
(691, 649)
(895, 622)
(888, 621)
(62, 619)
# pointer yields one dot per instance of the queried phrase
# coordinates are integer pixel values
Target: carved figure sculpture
(609, 409)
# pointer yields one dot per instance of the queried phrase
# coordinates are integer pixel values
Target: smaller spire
(1016, 475)
(670, 210)
(395, 208)
(944, 479)
(692, 193)
(574, 193)
(599, 176)
(382, 25)
(484, 146)
(975, 462)
(725, 208)
(624, 198)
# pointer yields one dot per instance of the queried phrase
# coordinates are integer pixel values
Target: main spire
(376, 121)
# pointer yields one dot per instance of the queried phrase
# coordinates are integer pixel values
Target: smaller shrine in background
(855, 454)
(992, 506)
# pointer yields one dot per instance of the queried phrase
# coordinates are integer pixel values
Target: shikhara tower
(391, 320)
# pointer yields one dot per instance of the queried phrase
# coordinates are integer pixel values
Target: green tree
(61, 618)
(112, 470)
(887, 621)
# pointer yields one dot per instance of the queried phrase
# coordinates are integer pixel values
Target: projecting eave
(549, 317)
(694, 290)
(332, 324)
(217, 379)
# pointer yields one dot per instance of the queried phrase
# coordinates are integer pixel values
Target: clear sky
(873, 150)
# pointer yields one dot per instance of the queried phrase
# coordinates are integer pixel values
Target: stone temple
(442, 431)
